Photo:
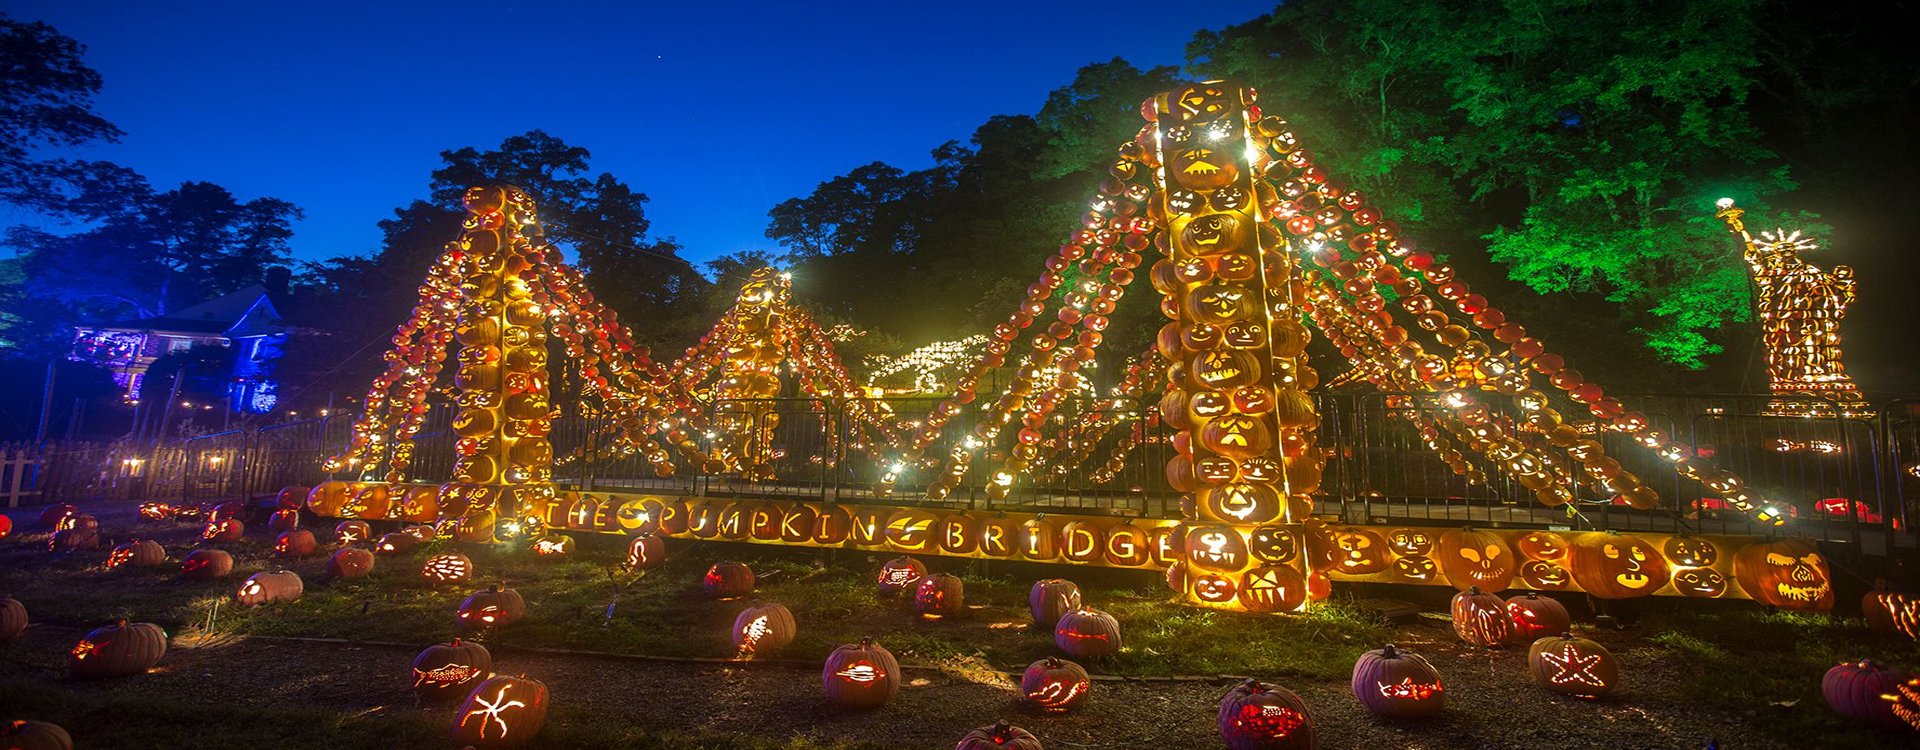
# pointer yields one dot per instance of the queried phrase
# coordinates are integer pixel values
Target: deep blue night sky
(716, 110)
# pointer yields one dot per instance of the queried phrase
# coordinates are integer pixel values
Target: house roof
(247, 312)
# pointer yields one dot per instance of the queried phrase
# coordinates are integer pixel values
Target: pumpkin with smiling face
(1272, 588)
(1274, 544)
(1543, 545)
(1473, 558)
(1215, 234)
(1700, 583)
(1216, 548)
(1410, 541)
(1545, 575)
(1415, 568)
(1617, 566)
(1788, 574)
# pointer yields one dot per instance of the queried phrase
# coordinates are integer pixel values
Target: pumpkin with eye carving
(1787, 573)
(1472, 558)
(1617, 566)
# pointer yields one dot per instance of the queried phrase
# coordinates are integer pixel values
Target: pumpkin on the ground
(118, 650)
(940, 595)
(396, 543)
(51, 516)
(1573, 666)
(1787, 573)
(6, 526)
(292, 497)
(1055, 685)
(728, 580)
(139, 553)
(451, 567)
(762, 629)
(1392, 682)
(224, 530)
(13, 618)
(553, 547)
(1891, 613)
(1854, 690)
(1000, 736)
(502, 712)
(352, 531)
(75, 538)
(204, 564)
(1087, 634)
(283, 520)
(1481, 618)
(444, 671)
(1257, 716)
(151, 511)
(646, 551)
(350, 562)
(493, 606)
(1535, 616)
(1051, 598)
(34, 735)
(861, 675)
(296, 543)
(899, 575)
(268, 587)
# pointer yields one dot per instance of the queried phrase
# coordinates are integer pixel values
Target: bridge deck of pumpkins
(1224, 566)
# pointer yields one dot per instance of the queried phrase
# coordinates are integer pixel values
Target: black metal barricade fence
(1843, 479)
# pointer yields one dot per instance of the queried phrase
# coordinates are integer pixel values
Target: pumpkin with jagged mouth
(1225, 369)
(1804, 582)
(1221, 303)
(1204, 167)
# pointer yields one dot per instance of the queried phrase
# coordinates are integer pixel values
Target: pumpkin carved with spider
(501, 712)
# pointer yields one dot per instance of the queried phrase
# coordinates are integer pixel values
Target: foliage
(46, 100)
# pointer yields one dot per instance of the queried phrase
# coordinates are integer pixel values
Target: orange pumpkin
(1788, 574)
(1617, 566)
(1472, 558)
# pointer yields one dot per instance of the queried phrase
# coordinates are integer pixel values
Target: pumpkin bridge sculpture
(1251, 248)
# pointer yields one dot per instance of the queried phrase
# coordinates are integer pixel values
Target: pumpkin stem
(866, 642)
(1473, 590)
(1053, 662)
(1253, 685)
(1388, 651)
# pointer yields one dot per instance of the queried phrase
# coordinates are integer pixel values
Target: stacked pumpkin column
(1236, 378)
(752, 352)
(504, 466)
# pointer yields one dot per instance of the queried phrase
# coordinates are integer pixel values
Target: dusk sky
(717, 111)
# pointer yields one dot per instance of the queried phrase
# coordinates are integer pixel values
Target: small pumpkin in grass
(268, 587)
(502, 712)
(646, 551)
(352, 531)
(78, 521)
(998, 736)
(421, 532)
(396, 543)
(118, 650)
(553, 547)
(292, 497)
(1087, 633)
(1481, 619)
(728, 580)
(1392, 682)
(151, 511)
(206, 564)
(762, 629)
(1051, 598)
(350, 562)
(1535, 616)
(1905, 699)
(283, 520)
(139, 553)
(1257, 716)
(445, 671)
(1891, 613)
(1573, 666)
(452, 567)
(1787, 573)
(296, 543)
(51, 515)
(940, 595)
(493, 606)
(861, 675)
(1055, 685)
(34, 735)
(224, 530)
(900, 575)
(233, 509)
(1854, 689)
(79, 537)
(13, 618)
(6, 526)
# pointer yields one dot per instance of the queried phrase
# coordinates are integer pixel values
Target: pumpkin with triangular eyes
(1690, 551)
(1471, 557)
(1203, 167)
(1237, 436)
(1221, 303)
(1200, 103)
(1241, 502)
(1272, 588)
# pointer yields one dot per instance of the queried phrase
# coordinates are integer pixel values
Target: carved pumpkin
(444, 671)
(502, 712)
(326, 498)
(1050, 599)
(646, 551)
(1415, 568)
(1617, 566)
(1543, 545)
(296, 543)
(205, 564)
(1255, 716)
(763, 629)
(269, 587)
(493, 606)
(1082, 541)
(1391, 682)
(224, 530)
(1535, 616)
(1273, 588)
(939, 595)
(34, 735)
(553, 547)
(1274, 544)
(1788, 574)
(1854, 690)
(1359, 551)
(728, 580)
(13, 618)
(1055, 685)
(900, 575)
(1216, 548)
(1481, 619)
(1039, 540)
(1905, 699)
(1476, 559)
(1214, 588)
(1690, 551)
(6, 526)
(909, 529)
(350, 562)
(452, 567)
(51, 517)
(1889, 613)
(75, 538)
(1087, 634)
(352, 531)
(118, 650)
(396, 543)
(1410, 541)
(1240, 502)
(1700, 583)
(1573, 666)
(151, 511)
(283, 520)
(958, 534)
(999, 736)
(1545, 575)
(141, 553)
(862, 675)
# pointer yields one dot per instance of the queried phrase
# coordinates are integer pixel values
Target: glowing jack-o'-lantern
(1255, 716)
(1050, 599)
(1788, 574)
(553, 547)
(1237, 436)
(862, 675)
(450, 670)
(352, 531)
(939, 595)
(501, 712)
(1545, 575)
(1476, 559)
(1535, 615)
(1274, 544)
(139, 553)
(1216, 548)
(1543, 545)
(1481, 619)
(1573, 666)
(1202, 167)
(646, 551)
(1223, 369)
(1392, 682)
(728, 580)
(1617, 566)
(762, 629)
(151, 511)
(1359, 551)
(1055, 685)
(1410, 541)
(1690, 551)
(204, 564)
(224, 530)
(1214, 234)
(1273, 588)
(1213, 588)
(1241, 502)
(452, 567)
(491, 607)
(1087, 633)
(269, 587)
(117, 650)
(900, 575)
(1415, 568)
(1700, 583)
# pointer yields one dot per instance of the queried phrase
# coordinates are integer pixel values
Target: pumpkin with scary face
(1690, 551)
(1242, 503)
(1273, 588)
(1237, 436)
(1216, 548)
(1201, 103)
(1222, 304)
(1617, 566)
(1788, 574)
(1274, 544)
(1415, 568)
(1543, 545)
(1359, 551)
(1473, 558)
(1545, 575)
(1700, 583)
(1202, 167)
